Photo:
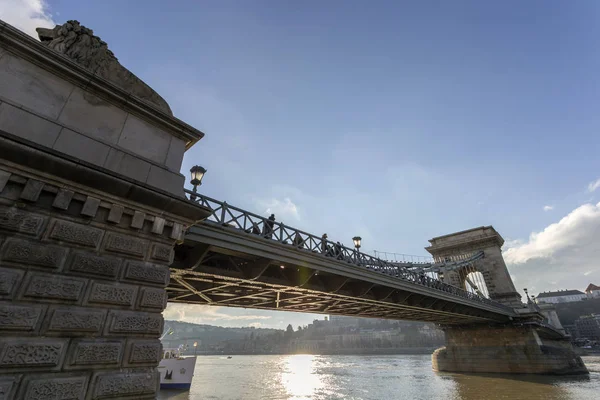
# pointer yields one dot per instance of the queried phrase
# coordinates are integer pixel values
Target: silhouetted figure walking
(338, 251)
(269, 224)
(324, 246)
(298, 241)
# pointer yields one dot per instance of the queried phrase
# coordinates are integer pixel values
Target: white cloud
(26, 15)
(283, 209)
(255, 324)
(548, 208)
(592, 186)
(203, 314)
(562, 256)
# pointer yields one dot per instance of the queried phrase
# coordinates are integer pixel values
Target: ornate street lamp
(356, 240)
(197, 172)
(527, 294)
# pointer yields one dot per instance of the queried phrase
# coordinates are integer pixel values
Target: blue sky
(394, 120)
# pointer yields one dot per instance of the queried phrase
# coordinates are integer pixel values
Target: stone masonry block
(82, 147)
(153, 298)
(161, 252)
(27, 125)
(134, 384)
(10, 279)
(90, 207)
(126, 245)
(31, 353)
(33, 87)
(91, 264)
(32, 190)
(137, 222)
(148, 273)
(76, 233)
(148, 141)
(16, 220)
(53, 287)
(158, 225)
(128, 165)
(33, 253)
(94, 353)
(93, 116)
(21, 317)
(176, 231)
(63, 199)
(4, 177)
(115, 214)
(166, 180)
(112, 293)
(176, 152)
(8, 386)
(56, 386)
(133, 323)
(142, 352)
(74, 321)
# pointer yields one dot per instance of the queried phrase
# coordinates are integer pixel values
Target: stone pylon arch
(463, 245)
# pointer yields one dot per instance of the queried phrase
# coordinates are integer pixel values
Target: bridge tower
(91, 206)
(527, 344)
(461, 245)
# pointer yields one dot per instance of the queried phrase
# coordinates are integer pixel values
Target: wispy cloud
(548, 208)
(202, 314)
(26, 15)
(592, 186)
(283, 209)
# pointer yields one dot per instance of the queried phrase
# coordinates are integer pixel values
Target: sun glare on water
(299, 376)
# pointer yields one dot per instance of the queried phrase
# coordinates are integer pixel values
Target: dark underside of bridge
(250, 273)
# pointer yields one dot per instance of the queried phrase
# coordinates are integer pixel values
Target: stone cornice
(27, 47)
(484, 239)
(60, 167)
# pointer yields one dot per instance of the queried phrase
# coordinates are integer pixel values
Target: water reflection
(299, 377)
(531, 387)
(307, 377)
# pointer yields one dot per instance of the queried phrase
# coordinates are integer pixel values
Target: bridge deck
(240, 259)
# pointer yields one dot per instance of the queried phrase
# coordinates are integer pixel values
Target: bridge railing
(227, 215)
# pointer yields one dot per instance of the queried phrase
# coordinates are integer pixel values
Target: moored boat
(176, 371)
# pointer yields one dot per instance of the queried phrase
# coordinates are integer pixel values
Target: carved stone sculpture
(79, 43)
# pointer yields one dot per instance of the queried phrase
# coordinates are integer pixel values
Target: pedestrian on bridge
(268, 227)
(324, 246)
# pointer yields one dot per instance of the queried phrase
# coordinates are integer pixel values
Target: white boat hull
(177, 373)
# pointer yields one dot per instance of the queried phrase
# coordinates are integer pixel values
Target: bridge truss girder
(204, 273)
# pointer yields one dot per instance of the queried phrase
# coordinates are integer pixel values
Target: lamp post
(195, 346)
(356, 240)
(527, 294)
(197, 173)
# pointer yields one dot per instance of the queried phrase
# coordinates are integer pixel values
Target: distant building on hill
(592, 291)
(561, 296)
(588, 326)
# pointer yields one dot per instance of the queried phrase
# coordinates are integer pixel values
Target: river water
(308, 377)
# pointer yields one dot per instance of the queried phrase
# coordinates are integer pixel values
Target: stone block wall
(82, 289)
(505, 349)
(52, 101)
(460, 245)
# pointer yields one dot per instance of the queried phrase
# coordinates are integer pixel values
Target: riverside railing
(227, 215)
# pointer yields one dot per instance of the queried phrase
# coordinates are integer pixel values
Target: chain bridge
(240, 259)
(97, 234)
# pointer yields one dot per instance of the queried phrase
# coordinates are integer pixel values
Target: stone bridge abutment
(91, 205)
(529, 344)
